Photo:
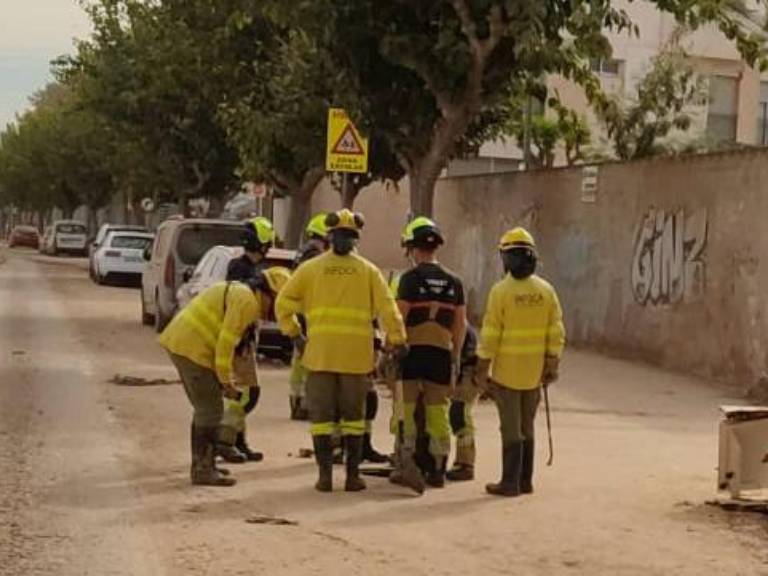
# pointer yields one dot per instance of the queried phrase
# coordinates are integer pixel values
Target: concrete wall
(664, 264)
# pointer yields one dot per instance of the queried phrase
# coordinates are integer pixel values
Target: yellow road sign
(347, 150)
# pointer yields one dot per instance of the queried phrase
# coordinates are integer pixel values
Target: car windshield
(131, 242)
(70, 228)
(195, 241)
(26, 229)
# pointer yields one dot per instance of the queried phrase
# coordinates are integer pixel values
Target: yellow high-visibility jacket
(203, 333)
(339, 296)
(523, 322)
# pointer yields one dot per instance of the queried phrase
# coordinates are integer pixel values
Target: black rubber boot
(324, 457)
(510, 479)
(230, 454)
(243, 448)
(526, 475)
(461, 473)
(354, 449)
(203, 470)
(436, 475)
(369, 452)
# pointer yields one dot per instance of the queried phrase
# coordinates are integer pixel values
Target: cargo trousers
(203, 391)
(517, 412)
(333, 397)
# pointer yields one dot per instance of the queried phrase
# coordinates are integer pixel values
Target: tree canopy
(177, 99)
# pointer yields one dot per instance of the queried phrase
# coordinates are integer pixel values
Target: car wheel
(161, 320)
(147, 319)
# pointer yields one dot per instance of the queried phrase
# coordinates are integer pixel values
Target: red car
(24, 236)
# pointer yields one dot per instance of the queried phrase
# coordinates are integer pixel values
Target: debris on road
(739, 505)
(18, 352)
(303, 453)
(136, 381)
(270, 520)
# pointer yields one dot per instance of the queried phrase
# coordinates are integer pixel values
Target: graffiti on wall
(668, 265)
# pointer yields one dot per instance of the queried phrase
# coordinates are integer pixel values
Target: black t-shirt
(242, 268)
(424, 284)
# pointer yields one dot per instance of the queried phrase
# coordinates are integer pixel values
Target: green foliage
(180, 98)
(636, 127)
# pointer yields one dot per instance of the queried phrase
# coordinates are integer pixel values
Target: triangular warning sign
(348, 143)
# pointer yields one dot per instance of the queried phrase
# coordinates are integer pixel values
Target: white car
(212, 268)
(66, 236)
(101, 236)
(121, 256)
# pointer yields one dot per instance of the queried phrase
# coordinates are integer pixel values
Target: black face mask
(520, 262)
(343, 242)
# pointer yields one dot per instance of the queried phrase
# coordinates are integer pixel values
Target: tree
(141, 72)
(664, 94)
(452, 64)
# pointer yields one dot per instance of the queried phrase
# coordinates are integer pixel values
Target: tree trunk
(350, 192)
(301, 204)
(422, 180)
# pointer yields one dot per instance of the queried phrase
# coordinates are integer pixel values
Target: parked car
(101, 236)
(178, 247)
(24, 236)
(213, 268)
(66, 236)
(121, 257)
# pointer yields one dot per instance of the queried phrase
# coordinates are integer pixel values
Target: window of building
(762, 115)
(722, 116)
(607, 67)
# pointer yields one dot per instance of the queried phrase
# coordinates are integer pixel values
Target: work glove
(300, 344)
(229, 390)
(551, 371)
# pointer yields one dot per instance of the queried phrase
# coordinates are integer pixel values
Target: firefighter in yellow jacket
(521, 342)
(340, 294)
(201, 341)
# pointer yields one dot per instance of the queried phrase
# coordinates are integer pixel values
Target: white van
(68, 237)
(179, 245)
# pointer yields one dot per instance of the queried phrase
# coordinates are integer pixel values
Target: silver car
(213, 268)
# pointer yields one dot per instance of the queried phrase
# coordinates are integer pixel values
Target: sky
(32, 33)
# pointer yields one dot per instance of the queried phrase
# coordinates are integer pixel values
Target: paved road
(93, 475)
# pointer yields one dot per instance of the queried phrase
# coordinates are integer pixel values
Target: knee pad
(437, 423)
(457, 416)
(371, 405)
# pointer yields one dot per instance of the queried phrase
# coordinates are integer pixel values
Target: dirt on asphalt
(95, 475)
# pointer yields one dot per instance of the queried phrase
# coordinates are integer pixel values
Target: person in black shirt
(258, 237)
(431, 300)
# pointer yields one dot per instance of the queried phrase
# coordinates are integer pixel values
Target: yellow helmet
(423, 232)
(258, 232)
(344, 220)
(317, 227)
(517, 237)
(277, 277)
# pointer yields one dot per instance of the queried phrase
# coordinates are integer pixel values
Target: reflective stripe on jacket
(340, 296)
(204, 334)
(523, 322)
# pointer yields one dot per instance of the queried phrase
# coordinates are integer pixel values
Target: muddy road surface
(94, 475)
